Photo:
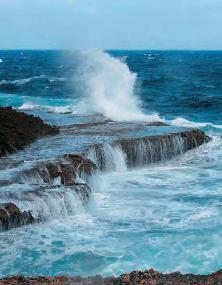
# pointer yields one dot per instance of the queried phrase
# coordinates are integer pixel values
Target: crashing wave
(108, 88)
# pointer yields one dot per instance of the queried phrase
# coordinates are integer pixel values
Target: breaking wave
(108, 88)
(181, 122)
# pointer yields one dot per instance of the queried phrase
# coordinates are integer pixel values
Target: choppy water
(166, 216)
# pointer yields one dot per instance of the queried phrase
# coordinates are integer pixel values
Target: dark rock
(147, 277)
(12, 217)
(18, 129)
(91, 124)
(67, 168)
(83, 191)
(51, 171)
(156, 124)
(81, 163)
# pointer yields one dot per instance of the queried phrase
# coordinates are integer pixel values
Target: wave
(1, 60)
(21, 81)
(107, 86)
(181, 122)
(49, 109)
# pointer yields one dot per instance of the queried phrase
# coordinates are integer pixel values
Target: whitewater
(165, 215)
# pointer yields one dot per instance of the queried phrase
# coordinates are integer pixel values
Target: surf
(108, 88)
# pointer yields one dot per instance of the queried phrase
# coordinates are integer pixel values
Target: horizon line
(105, 49)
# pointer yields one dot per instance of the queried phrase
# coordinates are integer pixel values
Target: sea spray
(107, 87)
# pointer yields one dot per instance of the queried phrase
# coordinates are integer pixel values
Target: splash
(108, 87)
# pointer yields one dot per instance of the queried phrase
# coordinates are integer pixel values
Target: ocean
(166, 215)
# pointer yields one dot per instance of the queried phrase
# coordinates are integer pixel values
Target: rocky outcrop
(161, 148)
(65, 170)
(148, 277)
(81, 163)
(150, 149)
(18, 129)
(11, 217)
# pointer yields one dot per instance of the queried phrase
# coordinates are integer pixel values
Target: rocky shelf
(70, 172)
(148, 277)
(68, 168)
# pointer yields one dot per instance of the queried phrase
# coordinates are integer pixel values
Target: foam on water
(166, 216)
(22, 81)
(181, 122)
(44, 203)
(50, 109)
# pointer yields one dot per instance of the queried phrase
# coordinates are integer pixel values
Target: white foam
(28, 106)
(50, 109)
(181, 122)
(1, 60)
(108, 88)
(22, 81)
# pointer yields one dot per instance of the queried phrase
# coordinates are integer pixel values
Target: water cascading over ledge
(68, 176)
(136, 152)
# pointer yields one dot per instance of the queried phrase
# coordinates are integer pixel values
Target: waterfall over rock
(142, 151)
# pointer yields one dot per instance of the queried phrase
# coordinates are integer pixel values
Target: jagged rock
(147, 277)
(12, 217)
(51, 171)
(81, 163)
(66, 168)
(152, 277)
(18, 129)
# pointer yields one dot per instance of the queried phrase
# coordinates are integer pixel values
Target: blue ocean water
(166, 216)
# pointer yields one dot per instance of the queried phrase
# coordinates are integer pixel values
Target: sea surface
(167, 215)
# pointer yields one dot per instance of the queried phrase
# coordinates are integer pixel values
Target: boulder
(11, 217)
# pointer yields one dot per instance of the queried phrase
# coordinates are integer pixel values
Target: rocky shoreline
(147, 277)
(17, 129)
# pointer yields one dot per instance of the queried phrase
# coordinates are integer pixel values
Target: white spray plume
(108, 86)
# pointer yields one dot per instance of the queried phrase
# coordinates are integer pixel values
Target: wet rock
(83, 191)
(18, 129)
(12, 217)
(147, 277)
(156, 124)
(150, 149)
(66, 169)
(81, 163)
(52, 171)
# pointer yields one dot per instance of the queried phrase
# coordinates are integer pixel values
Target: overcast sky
(111, 24)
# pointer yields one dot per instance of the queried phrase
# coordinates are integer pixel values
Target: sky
(111, 24)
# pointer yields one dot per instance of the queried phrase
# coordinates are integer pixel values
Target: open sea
(166, 216)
